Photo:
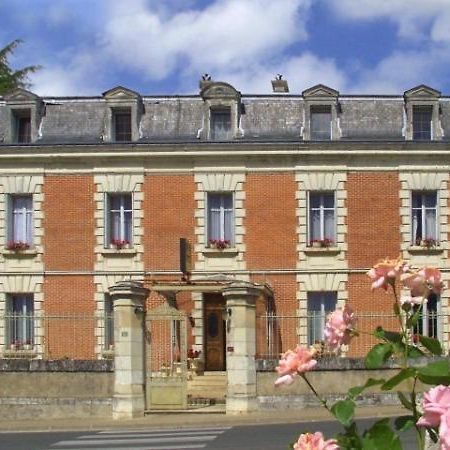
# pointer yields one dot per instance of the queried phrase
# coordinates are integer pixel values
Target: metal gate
(166, 358)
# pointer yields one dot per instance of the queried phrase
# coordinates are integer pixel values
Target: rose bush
(432, 415)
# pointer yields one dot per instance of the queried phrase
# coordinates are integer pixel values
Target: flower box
(219, 244)
(17, 246)
(119, 244)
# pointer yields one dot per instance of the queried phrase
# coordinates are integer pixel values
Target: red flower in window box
(324, 243)
(220, 244)
(17, 245)
(120, 243)
(193, 353)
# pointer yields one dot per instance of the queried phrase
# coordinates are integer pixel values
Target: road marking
(163, 430)
(151, 434)
(161, 440)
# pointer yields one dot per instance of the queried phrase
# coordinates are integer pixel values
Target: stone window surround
(220, 96)
(317, 282)
(115, 184)
(320, 96)
(423, 96)
(24, 284)
(321, 181)
(119, 99)
(416, 256)
(17, 102)
(27, 185)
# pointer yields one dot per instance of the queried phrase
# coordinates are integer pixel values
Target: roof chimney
(280, 85)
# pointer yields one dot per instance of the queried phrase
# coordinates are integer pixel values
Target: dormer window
(220, 124)
(124, 113)
(321, 114)
(422, 123)
(222, 111)
(320, 117)
(122, 125)
(22, 125)
(26, 111)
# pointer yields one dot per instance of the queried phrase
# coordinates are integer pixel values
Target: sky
(86, 47)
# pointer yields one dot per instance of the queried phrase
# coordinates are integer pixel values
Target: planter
(316, 244)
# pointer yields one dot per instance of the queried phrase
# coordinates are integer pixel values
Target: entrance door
(214, 332)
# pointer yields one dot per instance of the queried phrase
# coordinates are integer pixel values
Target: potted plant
(17, 246)
(429, 242)
(219, 244)
(326, 242)
(315, 243)
(119, 244)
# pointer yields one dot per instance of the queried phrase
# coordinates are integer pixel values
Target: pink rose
(338, 328)
(444, 431)
(294, 362)
(384, 273)
(422, 282)
(435, 403)
(316, 441)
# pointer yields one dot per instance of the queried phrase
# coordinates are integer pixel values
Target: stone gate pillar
(129, 376)
(241, 347)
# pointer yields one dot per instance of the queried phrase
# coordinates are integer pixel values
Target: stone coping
(340, 363)
(57, 365)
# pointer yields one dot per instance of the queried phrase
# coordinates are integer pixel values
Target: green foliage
(344, 410)
(404, 401)
(378, 355)
(381, 437)
(437, 372)
(403, 375)
(11, 79)
(431, 344)
(404, 423)
(357, 390)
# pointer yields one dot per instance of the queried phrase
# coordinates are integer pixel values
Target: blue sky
(163, 46)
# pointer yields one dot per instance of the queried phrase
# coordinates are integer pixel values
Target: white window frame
(416, 107)
(23, 319)
(321, 210)
(321, 298)
(122, 211)
(424, 317)
(423, 208)
(25, 212)
(222, 212)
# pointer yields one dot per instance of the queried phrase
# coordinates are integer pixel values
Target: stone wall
(332, 378)
(34, 389)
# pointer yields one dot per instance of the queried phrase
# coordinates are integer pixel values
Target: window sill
(220, 252)
(15, 354)
(419, 250)
(20, 253)
(116, 251)
(322, 250)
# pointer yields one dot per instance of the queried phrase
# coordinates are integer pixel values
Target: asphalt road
(248, 437)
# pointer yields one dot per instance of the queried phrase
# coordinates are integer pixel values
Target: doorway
(215, 336)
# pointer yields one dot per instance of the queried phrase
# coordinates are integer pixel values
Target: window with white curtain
(21, 219)
(119, 219)
(424, 216)
(220, 224)
(20, 321)
(322, 223)
(319, 305)
(429, 323)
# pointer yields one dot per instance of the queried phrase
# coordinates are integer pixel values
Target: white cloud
(301, 72)
(414, 18)
(227, 33)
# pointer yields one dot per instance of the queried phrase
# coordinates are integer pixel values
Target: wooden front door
(214, 332)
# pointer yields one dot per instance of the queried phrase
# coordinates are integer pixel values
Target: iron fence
(275, 334)
(70, 336)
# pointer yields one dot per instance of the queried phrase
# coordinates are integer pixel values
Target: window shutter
(9, 218)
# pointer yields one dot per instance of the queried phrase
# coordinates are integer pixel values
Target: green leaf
(389, 336)
(404, 423)
(435, 373)
(357, 390)
(344, 411)
(431, 344)
(414, 352)
(404, 374)
(378, 355)
(404, 401)
(381, 437)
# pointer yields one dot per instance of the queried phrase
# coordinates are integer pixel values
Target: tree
(11, 79)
